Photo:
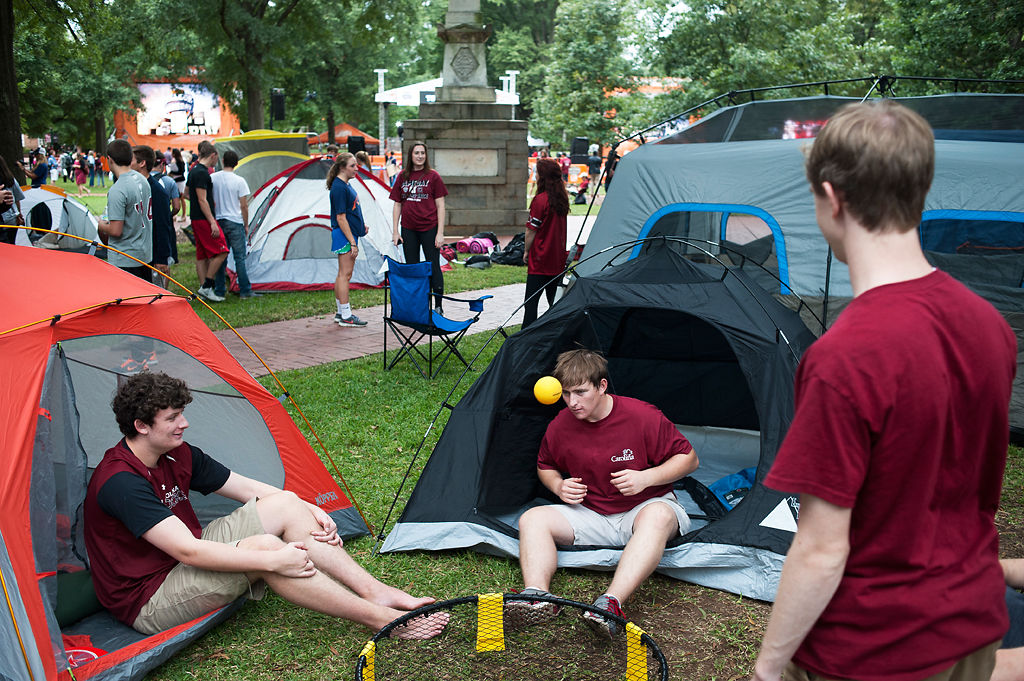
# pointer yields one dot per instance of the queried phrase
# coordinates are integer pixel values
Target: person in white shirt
(231, 198)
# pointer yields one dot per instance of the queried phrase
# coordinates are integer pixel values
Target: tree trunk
(10, 119)
(99, 126)
(255, 102)
(330, 126)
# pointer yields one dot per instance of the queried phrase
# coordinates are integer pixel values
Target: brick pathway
(298, 343)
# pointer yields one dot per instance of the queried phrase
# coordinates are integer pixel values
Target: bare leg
(321, 593)
(346, 263)
(652, 529)
(214, 263)
(540, 530)
(201, 270)
(285, 515)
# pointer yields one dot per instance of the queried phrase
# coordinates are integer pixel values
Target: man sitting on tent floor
(154, 567)
(612, 461)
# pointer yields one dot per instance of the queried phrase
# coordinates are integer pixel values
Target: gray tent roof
(766, 178)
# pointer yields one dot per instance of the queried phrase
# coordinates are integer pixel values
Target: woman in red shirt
(419, 203)
(545, 237)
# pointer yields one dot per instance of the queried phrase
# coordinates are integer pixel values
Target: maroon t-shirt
(123, 501)
(418, 194)
(635, 435)
(547, 253)
(902, 416)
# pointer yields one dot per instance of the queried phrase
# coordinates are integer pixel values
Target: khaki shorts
(978, 665)
(189, 592)
(590, 528)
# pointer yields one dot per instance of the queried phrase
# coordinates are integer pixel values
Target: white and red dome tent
(50, 207)
(290, 231)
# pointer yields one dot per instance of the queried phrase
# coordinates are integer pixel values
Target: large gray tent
(753, 196)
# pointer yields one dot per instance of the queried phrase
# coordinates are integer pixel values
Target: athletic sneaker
(130, 366)
(603, 626)
(209, 295)
(523, 613)
(348, 321)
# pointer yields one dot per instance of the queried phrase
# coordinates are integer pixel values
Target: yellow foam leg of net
(490, 625)
(636, 653)
(367, 652)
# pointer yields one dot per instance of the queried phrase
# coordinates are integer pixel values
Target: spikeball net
(509, 636)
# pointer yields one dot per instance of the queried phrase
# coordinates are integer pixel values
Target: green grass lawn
(372, 423)
(274, 307)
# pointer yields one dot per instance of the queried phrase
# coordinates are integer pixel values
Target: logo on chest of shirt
(173, 497)
(627, 455)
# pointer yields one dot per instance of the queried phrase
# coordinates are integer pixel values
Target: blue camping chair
(412, 318)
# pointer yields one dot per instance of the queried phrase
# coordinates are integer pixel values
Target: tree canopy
(68, 65)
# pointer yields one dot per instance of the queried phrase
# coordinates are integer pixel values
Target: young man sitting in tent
(154, 567)
(611, 460)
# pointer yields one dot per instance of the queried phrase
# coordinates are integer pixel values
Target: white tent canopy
(290, 231)
(409, 95)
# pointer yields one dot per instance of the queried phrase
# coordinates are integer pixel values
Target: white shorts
(590, 528)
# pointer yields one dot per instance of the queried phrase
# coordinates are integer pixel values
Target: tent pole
(828, 282)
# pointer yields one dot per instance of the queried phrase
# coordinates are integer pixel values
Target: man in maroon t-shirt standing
(154, 567)
(611, 460)
(898, 440)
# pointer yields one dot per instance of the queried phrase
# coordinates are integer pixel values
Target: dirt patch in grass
(703, 633)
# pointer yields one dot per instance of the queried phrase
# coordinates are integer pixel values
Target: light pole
(382, 112)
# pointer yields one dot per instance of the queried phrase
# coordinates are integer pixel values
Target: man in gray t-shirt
(128, 222)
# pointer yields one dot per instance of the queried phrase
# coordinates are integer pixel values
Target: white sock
(345, 310)
(338, 304)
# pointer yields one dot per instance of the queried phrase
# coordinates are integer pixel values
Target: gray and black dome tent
(736, 178)
(705, 344)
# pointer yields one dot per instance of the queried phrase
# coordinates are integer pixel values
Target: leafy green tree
(250, 46)
(536, 16)
(341, 71)
(523, 34)
(76, 62)
(515, 50)
(737, 44)
(963, 39)
(586, 63)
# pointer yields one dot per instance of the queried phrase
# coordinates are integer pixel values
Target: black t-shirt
(199, 178)
(163, 223)
(130, 499)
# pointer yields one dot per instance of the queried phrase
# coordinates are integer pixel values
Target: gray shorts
(590, 528)
(189, 592)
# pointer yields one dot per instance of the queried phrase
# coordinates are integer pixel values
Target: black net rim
(386, 631)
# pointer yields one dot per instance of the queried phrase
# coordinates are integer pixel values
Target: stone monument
(479, 147)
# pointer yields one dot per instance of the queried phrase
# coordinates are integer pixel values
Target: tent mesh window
(991, 117)
(746, 241)
(260, 213)
(218, 414)
(309, 241)
(57, 491)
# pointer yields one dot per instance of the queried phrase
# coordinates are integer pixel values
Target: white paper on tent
(781, 518)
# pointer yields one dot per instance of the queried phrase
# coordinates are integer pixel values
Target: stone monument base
(482, 156)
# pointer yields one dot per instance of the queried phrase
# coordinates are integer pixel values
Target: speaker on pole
(277, 105)
(356, 143)
(578, 150)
